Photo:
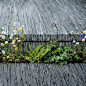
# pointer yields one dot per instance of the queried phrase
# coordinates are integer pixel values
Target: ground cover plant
(51, 53)
(37, 54)
(14, 53)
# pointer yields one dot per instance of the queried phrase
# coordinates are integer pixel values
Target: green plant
(80, 50)
(43, 53)
(35, 55)
(61, 54)
(52, 45)
(13, 54)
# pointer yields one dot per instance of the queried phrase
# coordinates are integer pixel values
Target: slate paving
(38, 17)
(24, 74)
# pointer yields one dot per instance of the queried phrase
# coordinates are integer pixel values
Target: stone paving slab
(39, 16)
(23, 74)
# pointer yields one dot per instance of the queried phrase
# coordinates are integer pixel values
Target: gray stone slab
(39, 16)
(1, 75)
(42, 74)
(75, 74)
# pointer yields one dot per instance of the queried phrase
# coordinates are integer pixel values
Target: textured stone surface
(39, 15)
(23, 74)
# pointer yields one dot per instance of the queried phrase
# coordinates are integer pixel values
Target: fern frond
(30, 48)
(41, 53)
(30, 54)
(28, 58)
(37, 54)
(37, 49)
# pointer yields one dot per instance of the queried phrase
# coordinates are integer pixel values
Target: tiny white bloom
(3, 37)
(84, 32)
(15, 33)
(12, 28)
(14, 40)
(3, 28)
(2, 44)
(83, 39)
(84, 36)
(3, 51)
(10, 37)
(3, 32)
(14, 45)
(77, 43)
(74, 41)
(6, 42)
(77, 33)
(18, 40)
(7, 56)
(14, 23)
(11, 34)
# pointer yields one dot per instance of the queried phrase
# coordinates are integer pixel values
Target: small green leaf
(46, 61)
(52, 60)
(55, 42)
(84, 61)
(65, 62)
(57, 58)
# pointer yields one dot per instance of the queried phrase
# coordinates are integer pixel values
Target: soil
(80, 61)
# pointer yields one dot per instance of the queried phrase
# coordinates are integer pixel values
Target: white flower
(84, 36)
(12, 28)
(10, 37)
(6, 42)
(7, 56)
(2, 44)
(14, 23)
(18, 40)
(3, 28)
(83, 39)
(77, 43)
(84, 32)
(11, 34)
(14, 40)
(3, 32)
(74, 41)
(15, 33)
(3, 51)
(14, 45)
(3, 37)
